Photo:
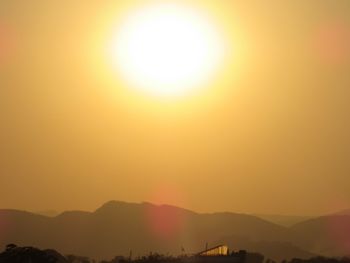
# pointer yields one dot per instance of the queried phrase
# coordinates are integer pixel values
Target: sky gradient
(269, 135)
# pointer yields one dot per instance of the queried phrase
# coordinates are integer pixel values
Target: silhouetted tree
(14, 254)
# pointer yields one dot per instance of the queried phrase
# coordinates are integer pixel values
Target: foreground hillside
(118, 228)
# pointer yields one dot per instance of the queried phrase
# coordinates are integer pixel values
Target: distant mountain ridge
(283, 220)
(343, 212)
(116, 228)
(326, 235)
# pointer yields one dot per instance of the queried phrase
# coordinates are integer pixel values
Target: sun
(167, 49)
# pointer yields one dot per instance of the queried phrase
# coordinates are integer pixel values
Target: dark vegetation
(15, 254)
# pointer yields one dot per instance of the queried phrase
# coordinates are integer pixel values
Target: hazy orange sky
(271, 135)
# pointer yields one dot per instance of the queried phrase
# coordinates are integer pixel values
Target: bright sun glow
(167, 50)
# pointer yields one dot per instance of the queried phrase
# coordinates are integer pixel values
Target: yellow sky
(269, 135)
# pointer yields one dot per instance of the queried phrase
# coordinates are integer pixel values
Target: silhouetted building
(221, 250)
(221, 254)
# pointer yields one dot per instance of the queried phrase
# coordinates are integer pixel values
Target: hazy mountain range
(283, 220)
(119, 228)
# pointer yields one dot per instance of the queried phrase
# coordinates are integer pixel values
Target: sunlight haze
(218, 105)
(167, 49)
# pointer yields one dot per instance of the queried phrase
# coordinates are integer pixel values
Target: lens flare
(331, 42)
(164, 221)
(6, 43)
(339, 231)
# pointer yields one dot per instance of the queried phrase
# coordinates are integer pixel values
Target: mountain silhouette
(326, 235)
(283, 220)
(116, 228)
(343, 212)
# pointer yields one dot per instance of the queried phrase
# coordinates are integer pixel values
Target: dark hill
(117, 227)
(326, 235)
